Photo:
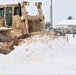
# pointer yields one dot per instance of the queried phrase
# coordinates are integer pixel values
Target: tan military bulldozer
(15, 22)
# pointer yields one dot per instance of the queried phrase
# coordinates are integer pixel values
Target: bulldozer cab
(7, 12)
(9, 18)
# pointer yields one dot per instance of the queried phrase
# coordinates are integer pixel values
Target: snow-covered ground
(41, 54)
(72, 39)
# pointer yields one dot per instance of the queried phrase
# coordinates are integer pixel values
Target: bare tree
(70, 18)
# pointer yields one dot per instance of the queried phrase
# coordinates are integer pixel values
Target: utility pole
(51, 15)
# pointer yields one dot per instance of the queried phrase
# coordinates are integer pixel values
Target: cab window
(1, 12)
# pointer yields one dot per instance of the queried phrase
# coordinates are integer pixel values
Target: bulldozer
(15, 22)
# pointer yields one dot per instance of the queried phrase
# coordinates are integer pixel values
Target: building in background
(67, 24)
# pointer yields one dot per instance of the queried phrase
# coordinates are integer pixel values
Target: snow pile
(40, 54)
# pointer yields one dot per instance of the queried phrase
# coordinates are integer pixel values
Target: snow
(72, 39)
(41, 54)
(5, 28)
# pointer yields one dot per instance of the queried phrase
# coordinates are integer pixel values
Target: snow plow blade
(6, 48)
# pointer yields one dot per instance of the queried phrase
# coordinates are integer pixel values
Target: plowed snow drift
(40, 54)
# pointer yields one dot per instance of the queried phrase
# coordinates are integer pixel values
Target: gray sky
(61, 8)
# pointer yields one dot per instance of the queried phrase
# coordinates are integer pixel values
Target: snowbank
(40, 54)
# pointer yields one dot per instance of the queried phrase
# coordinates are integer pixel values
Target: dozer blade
(6, 48)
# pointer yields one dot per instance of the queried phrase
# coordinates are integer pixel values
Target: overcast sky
(61, 8)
